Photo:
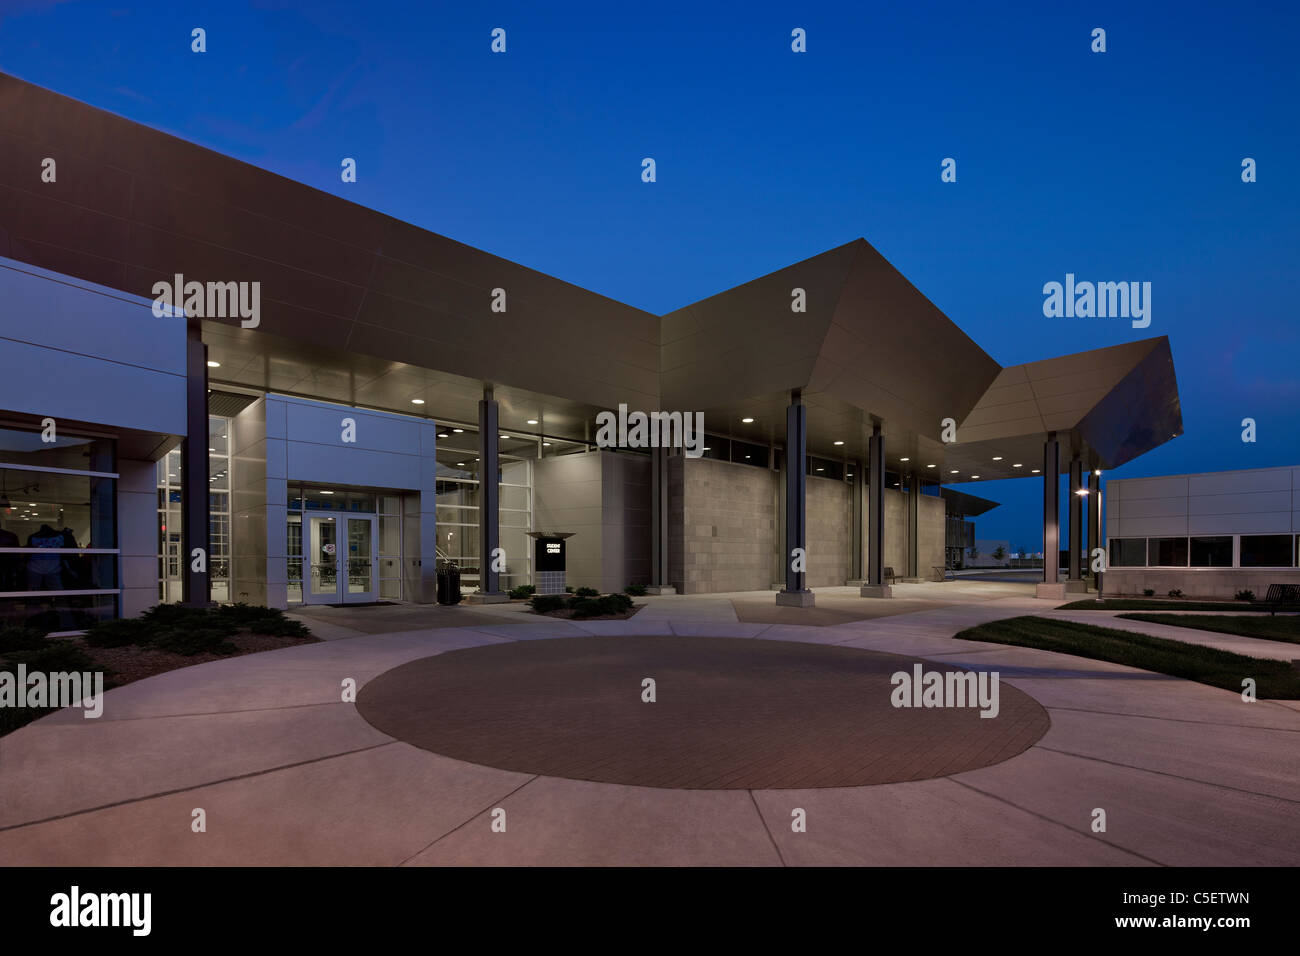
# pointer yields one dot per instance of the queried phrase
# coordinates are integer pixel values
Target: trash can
(449, 585)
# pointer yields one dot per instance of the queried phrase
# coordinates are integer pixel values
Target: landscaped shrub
(636, 590)
(1246, 595)
(118, 633)
(279, 626)
(20, 639)
(54, 656)
(189, 641)
(1149, 592)
(568, 590)
(1176, 593)
(523, 591)
(587, 592)
(584, 607)
(544, 603)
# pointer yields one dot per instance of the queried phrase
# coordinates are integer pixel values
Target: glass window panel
(319, 499)
(515, 497)
(390, 505)
(1167, 552)
(515, 519)
(218, 436)
(1266, 551)
(717, 448)
(1128, 552)
(390, 537)
(56, 612)
(78, 507)
(218, 472)
(21, 447)
(743, 453)
(1212, 552)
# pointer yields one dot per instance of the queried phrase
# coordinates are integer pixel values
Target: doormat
(366, 604)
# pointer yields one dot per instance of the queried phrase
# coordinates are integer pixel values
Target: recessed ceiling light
(547, 444)
(1017, 465)
(707, 448)
(417, 401)
(953, 472)
(460, 464)
(214, 365)
(458, 430)
(211, 449)
(747, 421)
(1035, 470)
(974, 476)
(532, 421)
(1097, 472)
(997, 457)
(442, 434)
(904, 459)
(327, 492)
(505, 436)
(839, 443)
(931, 466)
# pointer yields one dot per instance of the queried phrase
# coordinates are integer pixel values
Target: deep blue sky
(1123, 165)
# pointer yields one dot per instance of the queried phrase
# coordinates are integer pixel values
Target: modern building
(1207, 535)
(313, 418)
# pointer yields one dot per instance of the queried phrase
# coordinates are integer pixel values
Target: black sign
(548, 554)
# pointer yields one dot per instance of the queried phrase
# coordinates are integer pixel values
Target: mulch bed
(124, 665)
(568, 612)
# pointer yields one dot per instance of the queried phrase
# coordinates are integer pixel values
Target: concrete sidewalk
(287, 773)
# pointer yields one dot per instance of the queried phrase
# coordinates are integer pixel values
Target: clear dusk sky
(1123, 165)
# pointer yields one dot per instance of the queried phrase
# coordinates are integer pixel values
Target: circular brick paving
(729, 714)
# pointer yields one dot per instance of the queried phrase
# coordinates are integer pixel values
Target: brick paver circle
(729, 713)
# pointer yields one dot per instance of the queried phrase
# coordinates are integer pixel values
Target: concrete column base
(909, 580)
(487, 597)
(1076, 587)
(1050, 592)
(660, 589)
(876, 591)
(855, 583)
(794, 598)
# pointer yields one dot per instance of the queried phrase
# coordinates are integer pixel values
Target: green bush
(523, 591)
(54, 656)
(1176, 593)
(544, 603)
(189, 641)
(13, 638)
(587, 592)
(568, 590)
(279, 626)
(1149, 592)
(584, 607)
(636, 590)
(1246, 595)
(118, 633)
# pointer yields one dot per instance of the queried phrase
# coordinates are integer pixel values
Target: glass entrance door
(340, 560)
(357, 579)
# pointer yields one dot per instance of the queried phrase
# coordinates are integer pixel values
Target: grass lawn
(1284, 628)
(1276, 680)
(1154, 604)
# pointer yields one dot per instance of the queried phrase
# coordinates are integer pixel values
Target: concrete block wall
(726, 522)
(829, 513)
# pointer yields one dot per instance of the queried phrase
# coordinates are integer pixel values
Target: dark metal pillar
(489, 487)
(913, 526)
(1094, 515)
(875, 586)
(196, 580)
(796, 591)
(857, 569)
(1051, 517)
(1076, 519)
(659, 522)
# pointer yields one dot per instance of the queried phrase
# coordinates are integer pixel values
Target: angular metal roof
(360, 307)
